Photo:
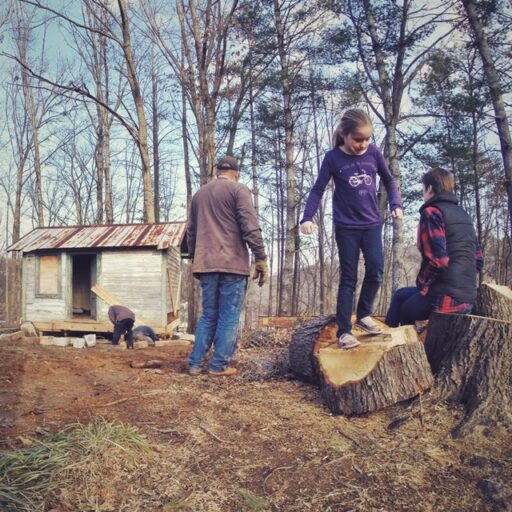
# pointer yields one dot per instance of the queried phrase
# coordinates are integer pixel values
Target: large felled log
(306, 340)
(382, 371)
(494, 301)
(471, 358)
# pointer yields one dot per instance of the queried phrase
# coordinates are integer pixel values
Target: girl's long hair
(351, 120)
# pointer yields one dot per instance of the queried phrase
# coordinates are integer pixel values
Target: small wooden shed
(71, 273)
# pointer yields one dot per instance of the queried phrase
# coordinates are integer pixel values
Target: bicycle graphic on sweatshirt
(357, 179)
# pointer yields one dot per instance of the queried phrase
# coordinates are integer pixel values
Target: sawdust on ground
(258, 441)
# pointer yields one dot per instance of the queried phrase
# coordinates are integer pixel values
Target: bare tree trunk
(106, 123)
(474, 158)
(391, 98)
(149, 207)
(155, 130)
(23, 35)
(291, 202)
(495, 89)
(22, 145)
(186, 156)
(321, 223)
(250, 305)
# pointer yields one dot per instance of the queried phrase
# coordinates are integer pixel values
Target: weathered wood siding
(137, 280)
(10, 290)
(174, 283)
(45, 309)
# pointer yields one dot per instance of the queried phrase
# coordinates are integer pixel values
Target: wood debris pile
(261, 365)
(267, 338)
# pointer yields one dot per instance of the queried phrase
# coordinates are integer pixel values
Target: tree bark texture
(291, 234)
(391, 91)
(471, 358)
(142, 132)
(382, 371)
(493, 82)
(155, 128)
(302, 346)
(494, 301)
(22, 38)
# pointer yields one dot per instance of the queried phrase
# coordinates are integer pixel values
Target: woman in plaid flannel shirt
(451, 257)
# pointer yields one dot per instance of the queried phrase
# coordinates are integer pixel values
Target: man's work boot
(227, 372)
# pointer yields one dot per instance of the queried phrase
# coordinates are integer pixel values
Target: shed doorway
(84, 276)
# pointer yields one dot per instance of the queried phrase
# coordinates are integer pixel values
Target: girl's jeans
(350, 242)
(223, 297)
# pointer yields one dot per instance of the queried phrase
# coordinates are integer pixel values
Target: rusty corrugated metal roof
(162, 236)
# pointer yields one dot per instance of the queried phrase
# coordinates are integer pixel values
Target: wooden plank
(81, 326)
(178, 295)
(172, 325)
(104, 295)
(70, 325)
(111, 301)
(169, 287)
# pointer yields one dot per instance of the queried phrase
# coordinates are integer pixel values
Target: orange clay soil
(258, 441)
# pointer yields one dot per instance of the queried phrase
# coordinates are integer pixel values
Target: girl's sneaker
(347, 341)
(369, 325)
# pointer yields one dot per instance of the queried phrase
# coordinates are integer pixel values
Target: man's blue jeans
(223, 297)
(350, 242)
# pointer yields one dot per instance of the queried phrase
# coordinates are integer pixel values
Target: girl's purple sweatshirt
(355, 203)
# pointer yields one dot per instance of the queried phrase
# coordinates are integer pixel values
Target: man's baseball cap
(227, 163)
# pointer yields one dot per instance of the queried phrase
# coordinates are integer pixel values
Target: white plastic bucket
(78, 343)
(90, 340)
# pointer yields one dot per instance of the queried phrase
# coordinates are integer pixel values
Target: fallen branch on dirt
(349, 438)
(127, 398)
(272, 471)
(204, 429)
(166, 430)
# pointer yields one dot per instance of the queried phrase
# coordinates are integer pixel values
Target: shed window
(49, 276)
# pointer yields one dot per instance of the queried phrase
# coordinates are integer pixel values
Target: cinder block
(172, 343)
(31, 340)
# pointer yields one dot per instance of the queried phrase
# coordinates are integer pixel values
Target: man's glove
(261, 272)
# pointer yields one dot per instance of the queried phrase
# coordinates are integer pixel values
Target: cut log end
(382, 371)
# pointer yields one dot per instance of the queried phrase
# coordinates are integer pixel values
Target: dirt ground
(258, 441)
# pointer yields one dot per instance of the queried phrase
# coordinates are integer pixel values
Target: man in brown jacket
(222, 225)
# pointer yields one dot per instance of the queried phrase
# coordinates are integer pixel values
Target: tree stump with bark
(382, 371)
(471, 357)
(494, 301)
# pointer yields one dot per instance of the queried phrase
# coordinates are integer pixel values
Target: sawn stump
(382, 371)
(471, 357)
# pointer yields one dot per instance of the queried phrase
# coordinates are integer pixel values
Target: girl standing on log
(450, 257)
(354, 164)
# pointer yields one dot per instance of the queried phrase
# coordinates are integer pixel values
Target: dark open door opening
(84, 276)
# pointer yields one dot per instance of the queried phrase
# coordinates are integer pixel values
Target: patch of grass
(27, 475)
(338, 449)
(251, 501)
(177, 504)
